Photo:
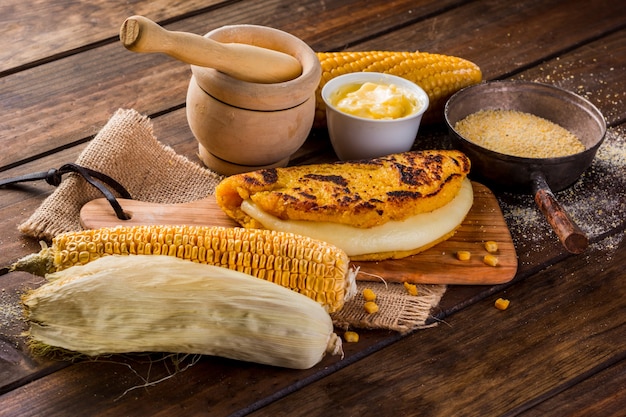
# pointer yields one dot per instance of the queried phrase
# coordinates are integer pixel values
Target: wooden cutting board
(437, 265)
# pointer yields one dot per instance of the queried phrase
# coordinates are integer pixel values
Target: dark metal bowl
(513, 173)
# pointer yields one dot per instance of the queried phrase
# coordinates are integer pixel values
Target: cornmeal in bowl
(518, 133)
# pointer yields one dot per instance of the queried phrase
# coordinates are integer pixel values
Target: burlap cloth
(127, 150)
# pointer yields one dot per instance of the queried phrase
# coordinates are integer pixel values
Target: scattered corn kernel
(351, 337)
(491, 246)
(369, 295)
(490, 260)
(410, 288)
(370, 307)
(501, 304)
(463, 255)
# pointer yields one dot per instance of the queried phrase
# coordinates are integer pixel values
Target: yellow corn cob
(311, 267)
(439, 75)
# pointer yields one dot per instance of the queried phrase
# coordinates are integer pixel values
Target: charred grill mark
(412, 176)
(335, 179)
(307, 196)
(365, 205)
(399, 196)
(347, 200)
(403, 195)
(432, 168)
(287, 198)
(304, 201)
(270, 176)
(443, 184)
(466, 164)
(447, 180)
(337, 193)
(252, 182)
(462, 162)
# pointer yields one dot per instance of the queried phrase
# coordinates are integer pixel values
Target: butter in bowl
(370, 114)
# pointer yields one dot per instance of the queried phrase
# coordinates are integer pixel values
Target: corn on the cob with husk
(440, 76)
(311, 267)
(125, 304)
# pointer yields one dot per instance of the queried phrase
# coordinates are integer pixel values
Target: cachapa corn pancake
(389, 207)
(362, 194)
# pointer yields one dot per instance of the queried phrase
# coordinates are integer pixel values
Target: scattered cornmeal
(502, 304)
(491, 246)
(370, 307)
(369, 295)
(490, 260)
(518, 133)
(351, 337)
(463, 255)
(410, 288)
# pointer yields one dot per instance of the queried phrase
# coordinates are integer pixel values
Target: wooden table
(558, 350)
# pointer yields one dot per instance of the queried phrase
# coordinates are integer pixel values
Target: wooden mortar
(243, 126)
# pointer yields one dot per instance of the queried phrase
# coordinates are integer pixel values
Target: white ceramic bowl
(355, 137)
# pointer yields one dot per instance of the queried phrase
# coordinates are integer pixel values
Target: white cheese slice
(404, 235)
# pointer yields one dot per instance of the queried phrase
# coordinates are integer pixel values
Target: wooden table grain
(560, 349)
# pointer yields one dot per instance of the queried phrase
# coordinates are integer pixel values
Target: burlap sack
(127, 150)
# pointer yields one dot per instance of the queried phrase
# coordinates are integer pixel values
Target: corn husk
(123, 304)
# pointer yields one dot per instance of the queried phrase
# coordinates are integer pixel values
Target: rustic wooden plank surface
(581, 399)
(550, 335)
(40, 31)
(504, 40)
(58, 93)
(594, 71)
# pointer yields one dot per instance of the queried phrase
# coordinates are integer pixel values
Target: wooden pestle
(244, 62)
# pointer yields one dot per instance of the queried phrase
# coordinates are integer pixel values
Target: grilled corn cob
(123, 304)
(439, 75)
(311, 267)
